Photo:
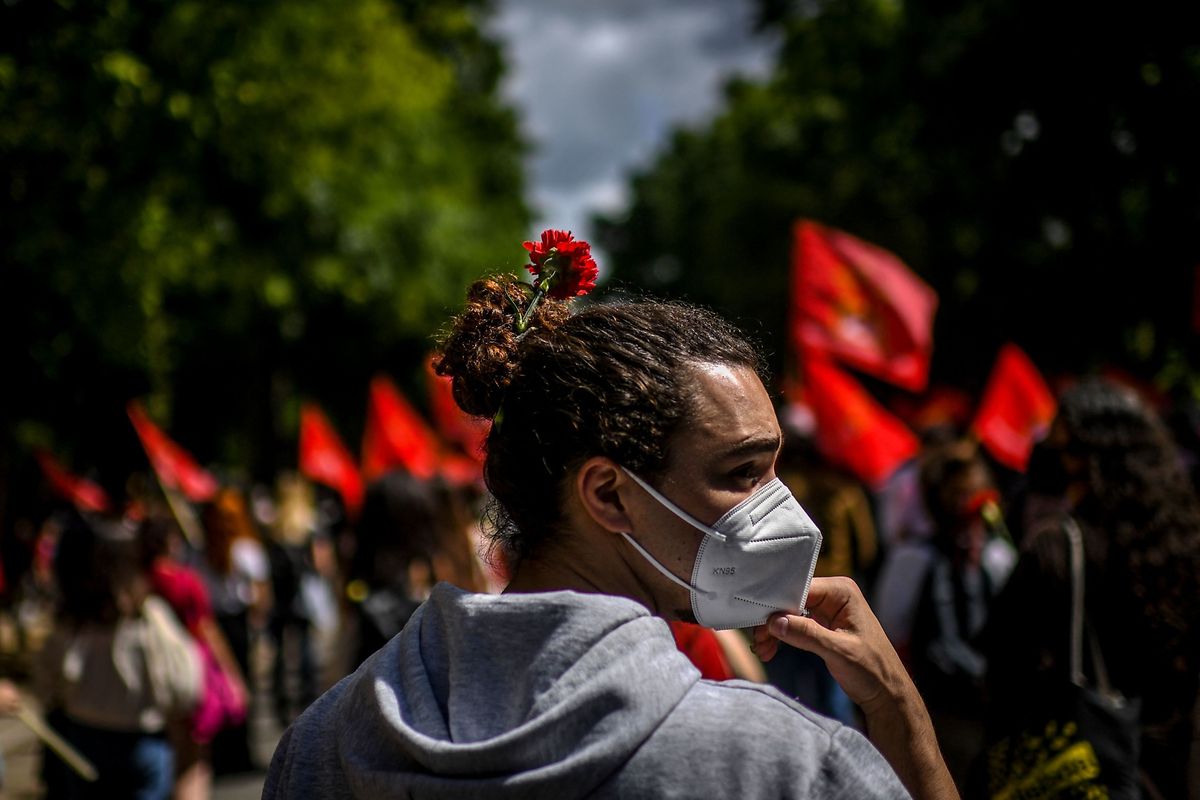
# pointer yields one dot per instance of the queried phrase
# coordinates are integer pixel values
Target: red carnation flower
(561, 266)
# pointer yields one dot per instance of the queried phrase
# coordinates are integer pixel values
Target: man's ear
(599, 485)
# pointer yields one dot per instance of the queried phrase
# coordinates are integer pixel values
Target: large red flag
(859, 304)
(853, 430)
(174, 466)
(324, 458)
(396, 435)
(454, 424)
(1016, 410)
(82, 493)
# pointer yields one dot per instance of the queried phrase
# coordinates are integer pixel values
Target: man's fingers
(802, 632)
(764, 645)
(767, 650)
(828, 597)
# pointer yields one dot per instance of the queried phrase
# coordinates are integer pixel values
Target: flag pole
(183, 514)
(70, 756)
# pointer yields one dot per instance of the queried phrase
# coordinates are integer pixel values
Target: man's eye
(747, 474)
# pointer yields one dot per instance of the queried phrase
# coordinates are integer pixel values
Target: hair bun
(480, 352)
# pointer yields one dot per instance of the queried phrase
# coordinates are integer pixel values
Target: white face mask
(755, 560)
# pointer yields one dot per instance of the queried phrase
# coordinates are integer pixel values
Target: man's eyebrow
(752, 446)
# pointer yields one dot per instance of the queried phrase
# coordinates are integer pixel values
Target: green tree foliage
(1037, 163)
(227, 205)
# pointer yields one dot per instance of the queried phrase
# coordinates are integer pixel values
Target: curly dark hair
(611, 380)
(1140, 495)
(1142, 510)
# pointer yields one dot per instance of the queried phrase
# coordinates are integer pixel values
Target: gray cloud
(601, 83)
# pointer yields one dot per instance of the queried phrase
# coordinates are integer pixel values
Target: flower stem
(516, 308)
(523, 320)
(540, 288)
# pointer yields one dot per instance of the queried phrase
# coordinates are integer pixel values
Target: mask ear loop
(671, 575)
(674, 509)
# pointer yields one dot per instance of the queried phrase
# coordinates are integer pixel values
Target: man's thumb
(803, 632)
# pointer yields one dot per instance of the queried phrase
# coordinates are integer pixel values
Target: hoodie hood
(541, 695)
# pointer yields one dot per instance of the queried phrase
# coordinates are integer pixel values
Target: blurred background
(224, 208)
(238, 214)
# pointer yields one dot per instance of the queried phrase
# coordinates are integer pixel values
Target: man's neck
(597, 571)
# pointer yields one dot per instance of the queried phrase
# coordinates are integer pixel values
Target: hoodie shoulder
(740, 739)
(306, 761)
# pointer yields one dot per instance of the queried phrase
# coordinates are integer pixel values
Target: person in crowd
(630, 442)
(1115, 469)
(458, 559)
(906, 531)
(185, 592)
(398, 549)
(237, 575)
(956, 593)
(289, 549)
(40, 588)
(117, 668)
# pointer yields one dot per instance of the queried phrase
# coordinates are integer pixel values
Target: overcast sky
(600, 84)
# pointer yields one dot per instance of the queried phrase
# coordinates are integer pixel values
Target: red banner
(454, 424)
(80, 492)
(396, 435)
(1016, 410)
(174, 466)
(859, 304)
(324, 458)
(853, 430)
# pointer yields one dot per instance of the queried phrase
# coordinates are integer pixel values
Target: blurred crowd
(142, 635)
(155, 638)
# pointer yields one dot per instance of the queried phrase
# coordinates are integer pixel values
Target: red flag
(82, 493)
(1016, 410)
(174, 466)
(454, 424)
(852, 429)
(324, 458)
(861, 305)
(396, 435)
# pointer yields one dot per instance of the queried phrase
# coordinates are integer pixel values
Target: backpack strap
(1075, 558)
(1075, 542)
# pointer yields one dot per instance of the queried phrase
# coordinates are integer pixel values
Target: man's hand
(844, 632)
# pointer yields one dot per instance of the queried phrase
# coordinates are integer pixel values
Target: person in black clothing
(954, 601)
(1114, 465)
(392, 569)
(289, 551)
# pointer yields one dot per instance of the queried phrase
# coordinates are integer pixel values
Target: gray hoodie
(559, 695)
